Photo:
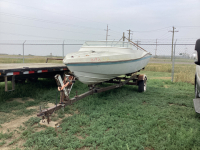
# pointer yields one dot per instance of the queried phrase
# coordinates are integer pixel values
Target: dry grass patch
(185, 76)
(27, 59)
(33, 107)
(163, 78)
(14, 124)
(182, 72)
(79, 137)
(84, 148)
(166, 86)
(149, 148)
(20, 100)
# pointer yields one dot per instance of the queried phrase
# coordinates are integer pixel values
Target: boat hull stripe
(108, 63)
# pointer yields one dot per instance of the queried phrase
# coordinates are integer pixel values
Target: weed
(24, 98)
(116, 119)
(32, 121)
(16, 148)
(6, 135)
(61, 113)
(14, 141)
(2, 143)
(24, 112)
(21, 128)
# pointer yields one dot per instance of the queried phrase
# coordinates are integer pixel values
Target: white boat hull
(93, 73)
(97, 62)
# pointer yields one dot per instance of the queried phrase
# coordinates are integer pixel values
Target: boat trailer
(134, 79)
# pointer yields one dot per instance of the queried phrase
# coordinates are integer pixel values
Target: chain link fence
(183, 55)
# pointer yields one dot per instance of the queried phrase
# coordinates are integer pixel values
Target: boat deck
(8, 66)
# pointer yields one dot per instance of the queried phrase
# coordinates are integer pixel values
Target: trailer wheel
(142, 85)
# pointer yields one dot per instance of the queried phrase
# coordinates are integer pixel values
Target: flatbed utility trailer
(19, 72)
(129, 79)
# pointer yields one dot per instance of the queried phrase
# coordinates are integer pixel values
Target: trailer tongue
(134, 79)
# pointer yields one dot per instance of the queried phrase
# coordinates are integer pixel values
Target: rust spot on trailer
(141, 77)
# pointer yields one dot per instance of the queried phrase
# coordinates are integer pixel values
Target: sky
(50, 21)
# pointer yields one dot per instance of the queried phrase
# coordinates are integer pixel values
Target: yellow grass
(182, 72)
(32, 59)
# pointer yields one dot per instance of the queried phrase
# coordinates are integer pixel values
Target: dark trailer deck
(19, 72)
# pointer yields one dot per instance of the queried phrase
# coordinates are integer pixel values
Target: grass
(182, 72)
(169, 60)
(27, 59)
(161, 118)
(5, 135)
(32, 121)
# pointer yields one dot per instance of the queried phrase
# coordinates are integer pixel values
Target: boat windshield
(108, 44)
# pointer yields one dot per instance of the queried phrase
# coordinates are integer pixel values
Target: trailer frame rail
(118, 83)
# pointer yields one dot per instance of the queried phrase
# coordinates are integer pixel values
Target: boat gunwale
(107, 47)
(81, 63)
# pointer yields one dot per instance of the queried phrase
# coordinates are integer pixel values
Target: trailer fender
(142, 77)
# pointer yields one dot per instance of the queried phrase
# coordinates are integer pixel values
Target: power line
(40, 36)
(53, 22)
(189, 26)
(58, 13)
(29, 35)
(47, 21)
(51, 11)
(45, 28)
(153, 30)
(87, 19)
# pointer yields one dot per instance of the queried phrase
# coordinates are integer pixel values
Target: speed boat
(99, 61)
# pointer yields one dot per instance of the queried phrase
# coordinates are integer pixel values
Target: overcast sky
(79, 20)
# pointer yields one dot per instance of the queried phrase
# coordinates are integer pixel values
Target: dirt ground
(17, 123)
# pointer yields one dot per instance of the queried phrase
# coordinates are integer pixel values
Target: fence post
(173, 61)
(23, 50)
(63, 49)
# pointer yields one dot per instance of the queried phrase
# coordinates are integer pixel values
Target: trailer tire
(142, 85)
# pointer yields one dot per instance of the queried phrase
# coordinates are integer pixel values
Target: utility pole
(123, 36)
(107, 33)
(172, 40)
(137, 43)
(129, 34)
(173, 62)
(23, 50)
(63, 48)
